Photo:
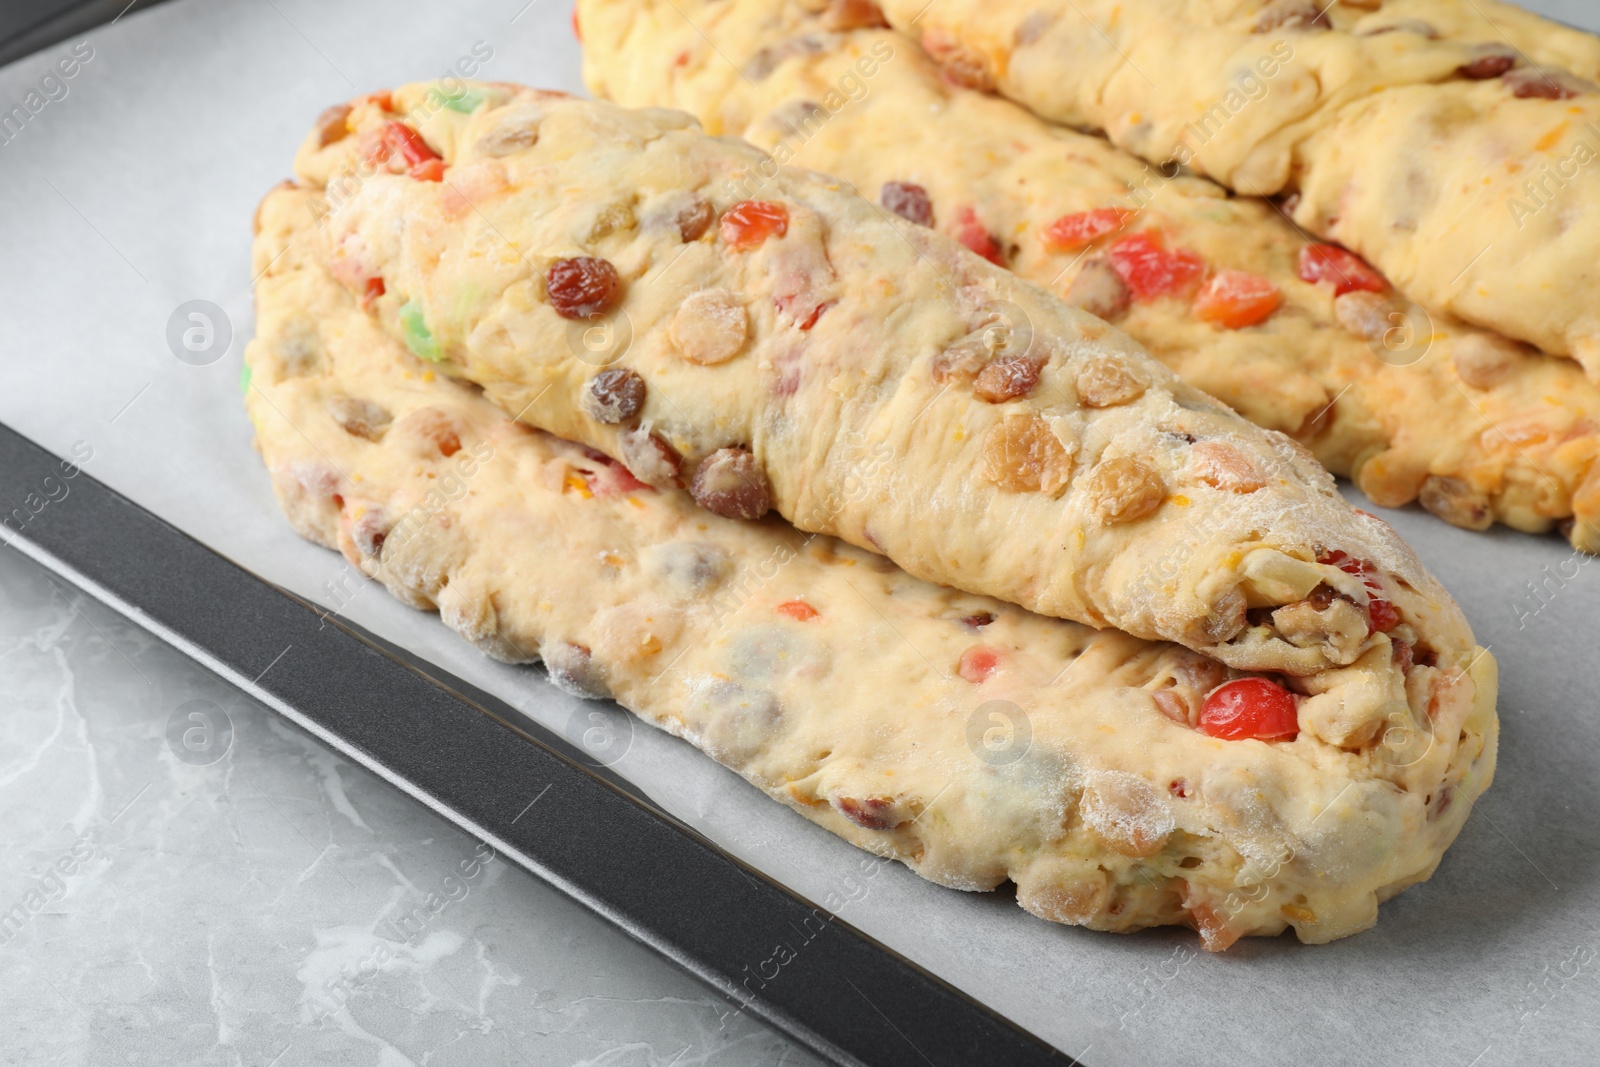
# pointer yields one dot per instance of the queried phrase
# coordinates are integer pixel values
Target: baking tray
(510, 782)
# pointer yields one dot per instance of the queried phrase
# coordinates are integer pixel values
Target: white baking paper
(129, 192)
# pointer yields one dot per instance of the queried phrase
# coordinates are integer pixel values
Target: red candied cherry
(1381, 613)
(798, 610)
(1074, 231)
(747, 224)
(1234, 299)
(1150, 269)
(422, 162)
(971, 232)
(1347, 271)
(978, 662)
(1250, 708)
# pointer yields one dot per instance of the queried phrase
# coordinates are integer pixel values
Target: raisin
(1022, 454)
(695, 219)
(1222, 466)
(958, 64)
(1007, 378)
(978, 619)
(1124, 490)
(872, 813)
(614, 396)
(1491, 63)
(359, 418)
(730, 483)
(840, 16)
(908, 200)
(582, 287)
(1534, 83)
(1456, 502)
(1109, 383)
(331, 125)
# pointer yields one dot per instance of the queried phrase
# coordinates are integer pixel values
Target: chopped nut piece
(1125, 490)
(1007, 378)
(1100, 290)
(359, 418)
(1127, 813)
(1022, 454)
(1222, 466)
(614, 396)
(1108, 382)
(573, 669)
(1328, 621)
(709, 327)
(1456, 502)
(650, 459)
(730, 483)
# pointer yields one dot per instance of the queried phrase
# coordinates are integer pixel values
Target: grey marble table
(186, 878)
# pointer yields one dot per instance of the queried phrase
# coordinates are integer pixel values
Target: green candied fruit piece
(466, 101)
(419, 338)
(244, 378)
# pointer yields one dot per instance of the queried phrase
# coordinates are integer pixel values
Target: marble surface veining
(187, 878)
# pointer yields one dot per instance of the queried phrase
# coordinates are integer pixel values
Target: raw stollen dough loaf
(1449, 142)
(833, 681)
(869, 378)
(1411, 406)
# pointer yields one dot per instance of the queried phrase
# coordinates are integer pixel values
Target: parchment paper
(132, 193)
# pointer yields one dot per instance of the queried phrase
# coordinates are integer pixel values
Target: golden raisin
(332, 125)
(359, 418)
(1007, 378)
(1022, 454)
(1223, 466)
(841, 16)
(1125, 490)
(1108, 382)
(1456, 502)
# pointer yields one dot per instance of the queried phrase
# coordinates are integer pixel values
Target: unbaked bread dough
(869, 378)
(1448, 141)
(1409, 405)
(832, 680)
